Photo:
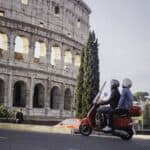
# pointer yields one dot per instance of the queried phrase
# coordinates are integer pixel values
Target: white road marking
(73, 149)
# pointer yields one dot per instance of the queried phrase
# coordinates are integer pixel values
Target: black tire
(85, 130)
(129, 136)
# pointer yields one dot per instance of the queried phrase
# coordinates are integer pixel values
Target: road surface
(19, 140)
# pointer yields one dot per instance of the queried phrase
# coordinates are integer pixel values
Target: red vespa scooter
(122, 124)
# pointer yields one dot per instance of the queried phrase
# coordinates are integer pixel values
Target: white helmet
(114, 83)
(127, 83)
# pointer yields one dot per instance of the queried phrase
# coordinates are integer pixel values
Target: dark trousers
(106, 116)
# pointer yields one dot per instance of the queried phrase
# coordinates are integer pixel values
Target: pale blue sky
(123, 30)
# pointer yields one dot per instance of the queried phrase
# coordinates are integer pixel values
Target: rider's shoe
(107, 129)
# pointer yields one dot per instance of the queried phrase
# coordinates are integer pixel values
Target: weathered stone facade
(32, 82)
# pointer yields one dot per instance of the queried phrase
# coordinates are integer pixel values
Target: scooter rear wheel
(85, 129)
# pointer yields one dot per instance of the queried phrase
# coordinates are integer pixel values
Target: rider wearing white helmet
(127, 83)
(126, 99)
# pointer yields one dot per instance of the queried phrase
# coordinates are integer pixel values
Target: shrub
(4, 111)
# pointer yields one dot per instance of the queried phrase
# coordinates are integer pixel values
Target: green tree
(88, 80)
(94, 67)
(141, 95)
(79, 88)
(4, 111)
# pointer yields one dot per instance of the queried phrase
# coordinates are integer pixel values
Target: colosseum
(40, 47)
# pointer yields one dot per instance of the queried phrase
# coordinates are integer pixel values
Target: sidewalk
(143, 132)
(34, 128)
(48, 129)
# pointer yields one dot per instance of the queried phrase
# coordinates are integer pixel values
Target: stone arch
(68, 57)
(38, 96)
(3, 41)
(55, 55)
(21, 44)
(57, 10)
(67, 99)
(78, 23)
(19, 94)
(40, 50)
(55, 98)
(77, 60)
(2, 91)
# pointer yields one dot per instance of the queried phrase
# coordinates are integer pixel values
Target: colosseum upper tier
(40, 46)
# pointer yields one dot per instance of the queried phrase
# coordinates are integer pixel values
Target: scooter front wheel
(85, 129)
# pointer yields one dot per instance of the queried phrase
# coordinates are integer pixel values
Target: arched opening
(77, 61)
(68, 58)
(57, 10)
(78, 23)
(25, 2)
(21, 45)
(38, 97)
(19, 94)
(3, 41)
(67, 100)
(56, 55)
(40, 50)
(55, 98)
(2, 91)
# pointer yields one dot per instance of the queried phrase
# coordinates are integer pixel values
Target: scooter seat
(121, 112)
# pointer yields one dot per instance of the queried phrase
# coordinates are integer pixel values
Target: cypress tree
(94, 67)
(86, 98)
(88, 79)
(79, 88)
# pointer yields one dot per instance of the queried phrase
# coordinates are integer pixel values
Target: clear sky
(123, 30)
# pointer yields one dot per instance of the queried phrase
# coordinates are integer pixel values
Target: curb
(50, 129)
(144, 132)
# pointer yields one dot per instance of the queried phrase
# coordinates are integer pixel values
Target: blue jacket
(126, 99)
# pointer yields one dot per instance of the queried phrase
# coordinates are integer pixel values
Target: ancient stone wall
(31, 81)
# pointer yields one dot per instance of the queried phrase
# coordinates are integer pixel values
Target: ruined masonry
(40, 47)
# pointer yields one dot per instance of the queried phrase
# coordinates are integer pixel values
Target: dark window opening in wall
(67, 100)
(54, 98)
(2, 91)
(2, 13)
(19, 94)
(38, 98)
(41, 24)
(78, 23)
(57, 10)
(25, 2)
(69, 34)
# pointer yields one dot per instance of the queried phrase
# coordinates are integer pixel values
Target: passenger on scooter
(126, 99)
(113, 102)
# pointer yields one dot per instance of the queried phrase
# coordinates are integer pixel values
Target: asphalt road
(18, 140)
